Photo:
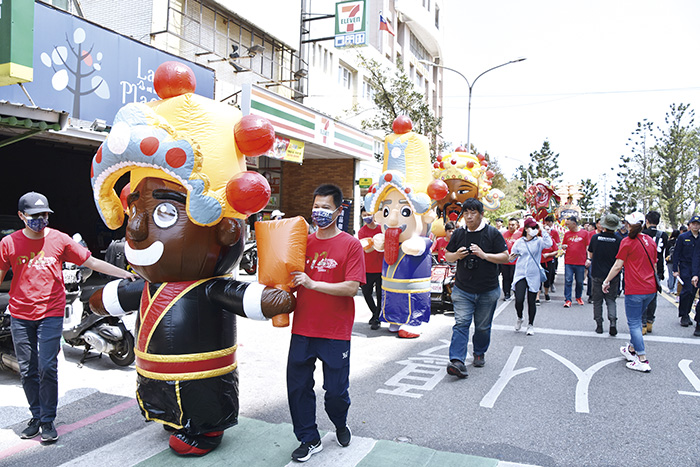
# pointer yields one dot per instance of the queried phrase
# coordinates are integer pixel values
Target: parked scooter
(442, 279)
(81, 327)
(8, 360)
(249, 260)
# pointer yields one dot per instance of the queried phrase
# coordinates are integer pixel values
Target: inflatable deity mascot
(466, 176)
(402, 208)
(189, 196)
(541, 198)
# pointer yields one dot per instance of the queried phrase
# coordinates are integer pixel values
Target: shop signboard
(297, 122)
(92, 72)
(350, 23)
(16, 40)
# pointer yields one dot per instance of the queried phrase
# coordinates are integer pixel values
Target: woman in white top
(526, 279)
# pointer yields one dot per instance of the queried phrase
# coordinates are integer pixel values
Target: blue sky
(593, 70)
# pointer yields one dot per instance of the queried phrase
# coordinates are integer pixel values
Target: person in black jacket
(602, 251)
(683, 269)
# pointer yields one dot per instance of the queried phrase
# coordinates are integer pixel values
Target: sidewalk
(254, 443)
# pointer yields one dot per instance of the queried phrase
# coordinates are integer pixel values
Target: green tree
(396, 95)
(678, 163)
(589, 192)
(624, 198)
(545, 164)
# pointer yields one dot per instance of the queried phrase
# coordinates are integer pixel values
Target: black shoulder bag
(656, 276)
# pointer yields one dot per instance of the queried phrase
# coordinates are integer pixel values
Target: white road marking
(507, 373)
(337, 456)
(684, 365)
(584, 377)
(626, 337)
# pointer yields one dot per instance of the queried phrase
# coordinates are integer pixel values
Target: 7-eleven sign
(350, 23)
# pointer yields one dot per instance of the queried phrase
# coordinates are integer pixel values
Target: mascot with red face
(190, 195)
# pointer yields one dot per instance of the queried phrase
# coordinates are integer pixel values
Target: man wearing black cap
(37, 302)
(683, 269)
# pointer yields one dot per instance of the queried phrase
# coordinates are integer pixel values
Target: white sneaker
(530, 330)
(518, 325)
(625, 350)
(638, 365)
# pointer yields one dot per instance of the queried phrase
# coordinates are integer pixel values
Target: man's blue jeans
(634, 307)
(37, 344)
(571, 271)
(480, 308)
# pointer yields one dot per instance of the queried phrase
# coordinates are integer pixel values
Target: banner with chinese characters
(289, 150)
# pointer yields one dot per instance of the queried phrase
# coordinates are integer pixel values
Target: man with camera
(478, 249)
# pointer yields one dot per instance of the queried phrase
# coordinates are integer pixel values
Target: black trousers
(508, 270)
(373, 281)
(520, 291)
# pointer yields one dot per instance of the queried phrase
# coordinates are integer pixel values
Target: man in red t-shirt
(576, 261)
(37, 302)
(373, 267)
(322, 324)
(442, 242)
(508, 269)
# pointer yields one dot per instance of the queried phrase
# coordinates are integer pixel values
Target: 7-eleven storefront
(311, 149)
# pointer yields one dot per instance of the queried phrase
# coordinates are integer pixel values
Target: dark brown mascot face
(164, 245)
(450, 207)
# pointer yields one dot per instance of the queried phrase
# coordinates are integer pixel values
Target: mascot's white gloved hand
(378, 242)
(414, 246)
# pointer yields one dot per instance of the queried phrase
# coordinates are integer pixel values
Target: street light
(471, 86)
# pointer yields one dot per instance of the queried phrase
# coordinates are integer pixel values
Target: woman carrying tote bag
(638, 256)
(527, 277)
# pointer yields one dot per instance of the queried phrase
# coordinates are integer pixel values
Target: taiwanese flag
(384, 26)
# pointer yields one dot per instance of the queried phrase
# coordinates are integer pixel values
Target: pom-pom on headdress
(187, 139)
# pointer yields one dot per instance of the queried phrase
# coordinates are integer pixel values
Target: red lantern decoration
(402, 124)
(439, 158)
(255, 135)
(470, 164)
(173, 79)
(248, 192)
(437, 189)
(480, 157)
(490, 174)
(436, 165)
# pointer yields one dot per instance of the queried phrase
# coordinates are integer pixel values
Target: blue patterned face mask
(367, 220)
(37, 224)
(322, 217)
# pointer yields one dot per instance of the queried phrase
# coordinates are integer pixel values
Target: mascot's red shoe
(187, 445)
(407, 335)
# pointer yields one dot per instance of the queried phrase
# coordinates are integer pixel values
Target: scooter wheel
(124, 353)
(252, 262)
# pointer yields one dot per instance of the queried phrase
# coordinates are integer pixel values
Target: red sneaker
(567, 304)
(579, 301)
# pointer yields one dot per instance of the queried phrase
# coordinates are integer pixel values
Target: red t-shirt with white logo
(373, 259)
(37, 289)
(639, 272)
(510, 239)
(333, 260)
(577, 245)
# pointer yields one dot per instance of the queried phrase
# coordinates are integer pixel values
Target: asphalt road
(562, 397)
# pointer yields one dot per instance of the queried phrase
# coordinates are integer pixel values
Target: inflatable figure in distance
(190, 195)
(541, 198)
(402, 208)
(466, 176)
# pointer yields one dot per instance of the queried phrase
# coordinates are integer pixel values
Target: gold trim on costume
(190, 357)
(412, 291)
(187, 376)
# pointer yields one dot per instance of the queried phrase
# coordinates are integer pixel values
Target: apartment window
(368, 91)
(344, 77)
(419, 80)
(417, 49)
(437, 17)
